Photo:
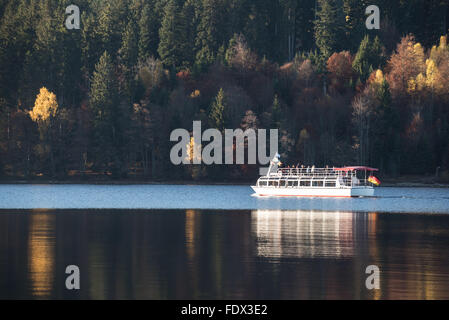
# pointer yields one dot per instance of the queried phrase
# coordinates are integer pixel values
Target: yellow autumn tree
(43, 113)
(196, 171)
(443, 42)
(404, 65)
(191, 155)
(379, 77)
(432, 76)
(440, 53)
(376, 81)
(45, 106)
(431, 80)
(190, 147)
(437, 69)
(418, 51)
(417, 84)
(421, 82)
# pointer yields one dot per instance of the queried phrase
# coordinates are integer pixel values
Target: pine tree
(16, 37)
(305, 14)
(128, 55)
(173, 45)
(354, 11)
(104, 103)
(111, 21)
(385, 126)
(211, 32)
(217, 112)
(330, 27)
(189, 22)
(91, 44)
(149, 33)
(369, 57)
(258, 29)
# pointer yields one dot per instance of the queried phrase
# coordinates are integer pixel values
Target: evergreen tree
(149, 33)
(189, 23)
(111, 21)
(386, 138)
(258, 30)
(48, 62)
(369, 57)
(330, 27)
(217, 112)
(211, 32)
(173, 45)
(305, 14)
(355, 17)
(16, 42)
(104, 101)
(91, 44)
(128, 55)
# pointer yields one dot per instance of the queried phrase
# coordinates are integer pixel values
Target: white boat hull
(365, 191)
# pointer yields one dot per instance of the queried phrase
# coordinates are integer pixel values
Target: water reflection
(308, 234)
(96, 270)
(409, 250)
(41, 246)
(191, 226)
(195, 254)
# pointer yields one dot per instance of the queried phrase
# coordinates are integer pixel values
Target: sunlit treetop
(432, 74)
(379, 77)
(443, 42)
(45, 106)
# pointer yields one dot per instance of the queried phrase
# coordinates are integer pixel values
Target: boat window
(273, 183)
(282, 183)
(318, 183)
(304, 183)
(263, 183)
(331, 184)
(291, 183)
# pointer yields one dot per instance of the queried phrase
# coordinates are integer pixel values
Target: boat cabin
(311, 177)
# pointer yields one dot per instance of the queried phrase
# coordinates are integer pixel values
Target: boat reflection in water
(331, 250)
(307, 234)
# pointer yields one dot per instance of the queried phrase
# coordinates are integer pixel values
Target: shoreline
(388, 183)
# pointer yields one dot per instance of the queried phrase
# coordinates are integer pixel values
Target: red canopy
(346, 169)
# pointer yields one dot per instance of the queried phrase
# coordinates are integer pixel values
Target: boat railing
(312, 172)
(346, 179)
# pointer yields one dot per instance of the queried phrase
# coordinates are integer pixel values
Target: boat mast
(274, 164)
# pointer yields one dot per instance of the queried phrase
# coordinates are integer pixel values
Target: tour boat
(303, 181)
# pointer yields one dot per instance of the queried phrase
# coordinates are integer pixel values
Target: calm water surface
(179, 242)
(211, 197)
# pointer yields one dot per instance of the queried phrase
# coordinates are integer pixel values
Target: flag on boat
(374, 180)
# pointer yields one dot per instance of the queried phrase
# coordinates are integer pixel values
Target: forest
(99, 103)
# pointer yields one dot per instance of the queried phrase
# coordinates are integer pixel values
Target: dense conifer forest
(100, 102)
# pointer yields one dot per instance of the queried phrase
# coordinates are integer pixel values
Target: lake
(220, 242)
(428, 200)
